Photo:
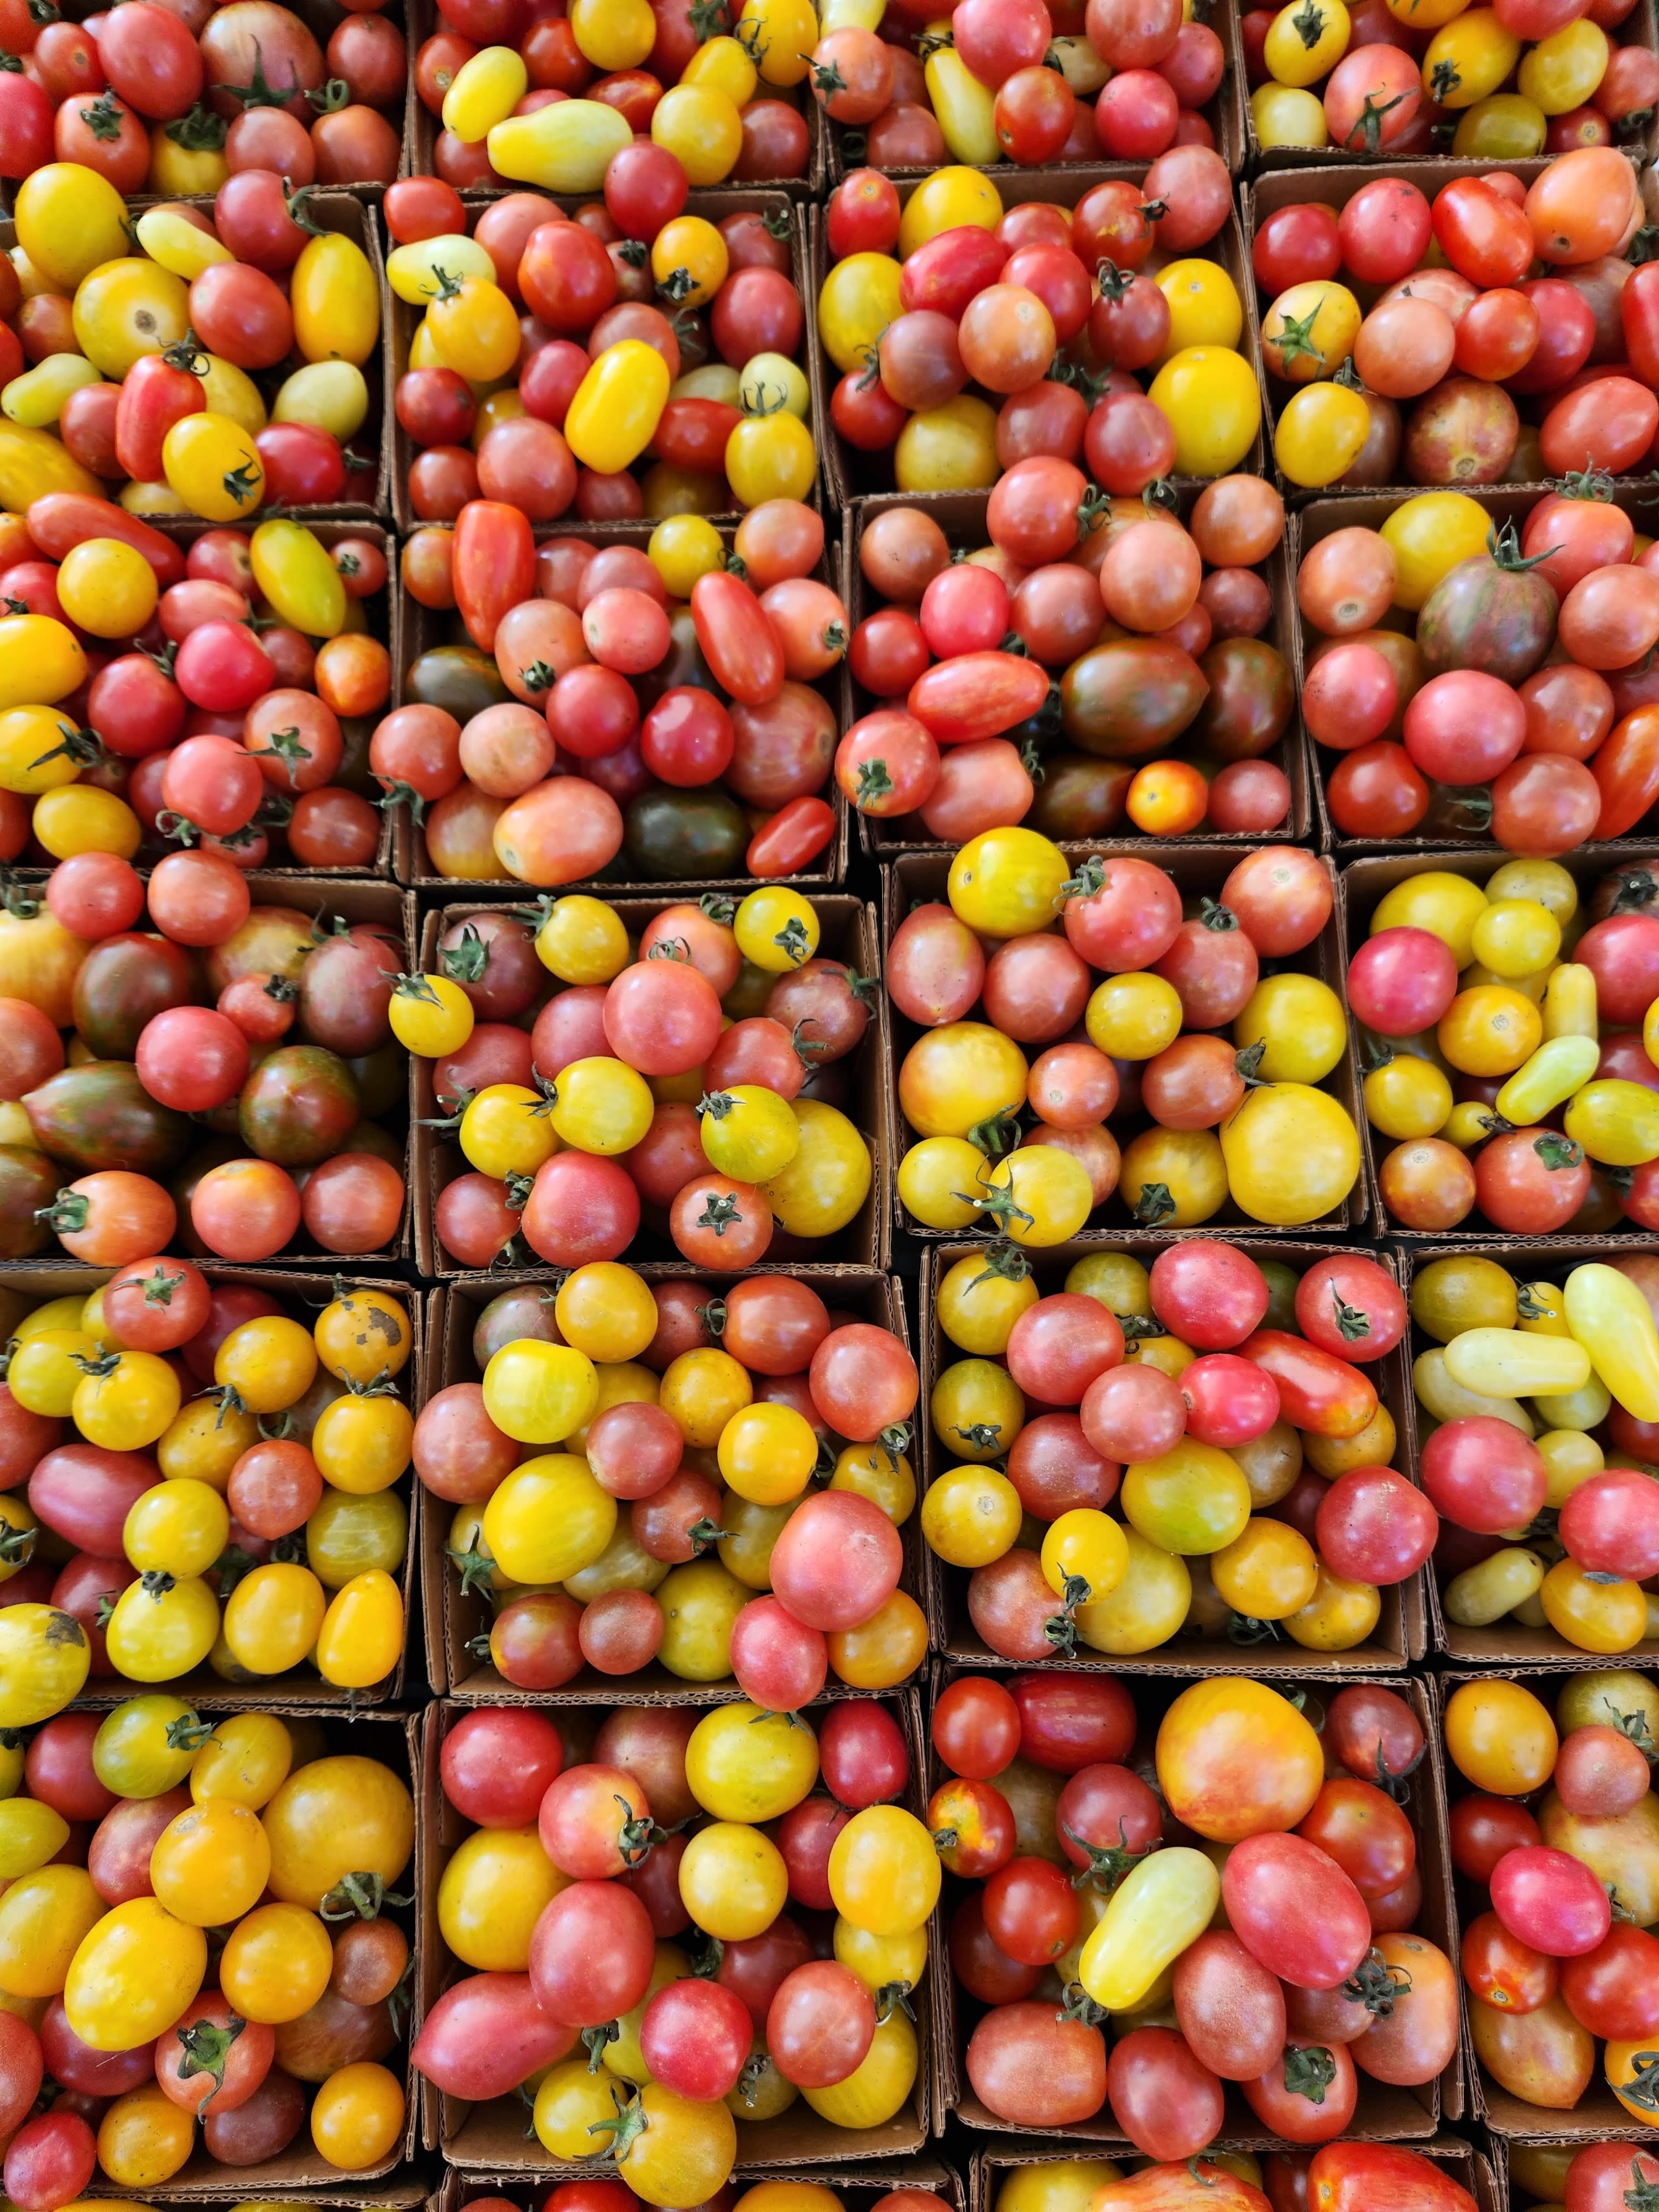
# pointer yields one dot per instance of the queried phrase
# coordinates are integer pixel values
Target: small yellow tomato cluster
(297, 1445)
(252, 1828)
(1583, 1356)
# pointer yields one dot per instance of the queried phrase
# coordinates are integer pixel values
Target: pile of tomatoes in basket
(1512, 1046)
(1098, 1884)
(1503, 82)
(554, 352)
(712, 1417)
(971, 337)
(1222, 1405)
(197, 1926)
(1558, 1842)
(530, 96)
(195, 1478)
(146, 333)
(1521, 707)
(1149, 627)
(1542, 1524)
(179, 105)
(636, 1892)
(666, 1081)
(1242, 1119)
(213, 694)
(1020, 81)
(184, 1023)
(1344, 2176)
(1461, 337)
(616, 697)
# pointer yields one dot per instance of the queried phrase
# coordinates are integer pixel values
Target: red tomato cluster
(581, 285)
(595, 711)
(180, 995)
(1559, 1826)
(1094, 1844)
(1520, 707)
(1456, 330)
(1338, 2177)
(1122, 84)
(1149, 630)
(708, 1593)
(179, 104)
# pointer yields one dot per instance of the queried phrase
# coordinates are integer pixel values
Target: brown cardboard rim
(849, 931)
(1478, 2174)
(422, 629)
(453, 1619)
(1400, 1634)
(296, 1691)
(1384, 2112)
(1364, 882)
(849, 475)
(493, 2135)
(1507, 1644)
(872, 2177)
(1196, 869)
(961, 515)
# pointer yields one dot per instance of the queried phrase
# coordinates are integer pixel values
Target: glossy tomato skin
(1068, 1721)
(1294, 1908)
(1372, 2177)
(1035, 2070)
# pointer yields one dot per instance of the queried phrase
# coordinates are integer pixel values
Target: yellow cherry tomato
(744, 1764)
(483, 91)
(1616, 1123)
(210, 1864)
(950, 447)
(84, 819)
(133, 1975)
(1213, 404)
(770, 455)
(1292, 1154)
(1499, 1737)
(1490, 1030)
(1205, 308)
(1469, 58)
(40, 659)
(548, 1519)
(357, 2116)
(733, 1880)
(1309, 330)
(939, 1180)
(45, 1916)
(1319, 433)
(214, 465)
(430, 1015)
(971, 1515)
(362, 1636)
(474, 326)
(1285, 115)
(601, 1105)
(1429, 535)
(1593, 1614)
(858, 300)
(1339, 1615)
(42, 1667)
(336, 302)
(884, 1871)
(1134, 1016)
(878, 2085)
(126, 1400)
(33, 463)
(1038, 1194)
(1406, 1097)
(689, 256)
(683, 548)
(1007, 882)
(1306, 40)
(69, 219)
(699, 125)
(144, 2138)
(617, 406)
(767, 1453)
(950, 199)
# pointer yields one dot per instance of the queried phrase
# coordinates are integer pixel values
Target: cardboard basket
(24, 1285)
(1384, 2113)
(422, 629)
(401, 319)
(848, 933)
(1401, 1631)
(301, 2175)
(1533, 2168)
(860, 2188)
(1368, 511)
(1598, 2116)
(992, 2165)
(1507, 1644)
(961, 515)
(1199, 871)
(492, 2137)
(1637, 29)
(459, 1620)
(1364, 883)
(421, 128)
(849, 474)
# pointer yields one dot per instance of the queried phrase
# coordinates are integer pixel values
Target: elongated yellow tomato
(1561, 1064)
(133, 1975)
(33, 463)
(1157, 1909)
(859, 297)
(566, 148)
(884, 1871)
(40, 661)
(618, 403)
(412, 271)
(548, 1519)
(363, 1631)
(170, 239)
(232, 392)
(1507, 1363)
(878, 2085)
(30, 1834)
(483, 91)
(1485, 1592)
(781, 35)
(45, 1916)
(1213, 403)
(1616, 1122)
(294, 572)
(45, 1659)
(330, 395)
(69, 219)
(337, 309)
(37, 397)
(214, 465)
(1609, 1316)
(699, 125)
(1449, 1400)
(966, 109)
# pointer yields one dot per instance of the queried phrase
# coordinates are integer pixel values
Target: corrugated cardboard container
(303, 1296)
(1507, 1644)
(1401, 1631)
(961, 515)
(422, 630)
(493, 2136)
(849, 474)
(421, 127)
(849, 932)
(301, 2176)
(992, 2166)
(860, 2188)
(403, 318)
(1384, 2113)
(1526, 2164)
(1636, 30)
(457, 1650)
(1598, 2116)
(1368, 511)
(1199, 872)
(1363, 885)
